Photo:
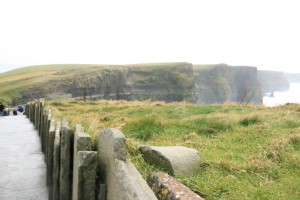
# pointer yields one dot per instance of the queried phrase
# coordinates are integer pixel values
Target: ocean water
(280, 98)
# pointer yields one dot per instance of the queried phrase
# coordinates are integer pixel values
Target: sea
(281, 98)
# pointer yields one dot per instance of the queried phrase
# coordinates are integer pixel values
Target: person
(15, 112)
(2, 107)
(20, 109)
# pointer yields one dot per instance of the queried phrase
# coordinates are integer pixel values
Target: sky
(260, 33)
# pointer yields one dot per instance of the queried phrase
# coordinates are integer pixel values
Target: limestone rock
(50, 157)
(122, 178)
(82, 142)
(65, 160)
(86, 166)
(56, 162)
(166, 187)
(178, 160)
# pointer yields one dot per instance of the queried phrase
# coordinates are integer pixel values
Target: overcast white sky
(261, 33)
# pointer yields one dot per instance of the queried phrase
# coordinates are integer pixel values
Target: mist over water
(280, 98)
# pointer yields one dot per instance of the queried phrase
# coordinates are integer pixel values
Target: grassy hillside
(14, 82)
(248, 152)
(204, 67)
(156, 65)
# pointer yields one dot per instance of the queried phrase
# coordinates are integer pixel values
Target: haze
(257, 33)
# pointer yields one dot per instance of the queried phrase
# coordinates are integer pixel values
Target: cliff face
(221, 83)
(292, 78)
(273, 81)
(164, 82)
(103, 84)
(203, 84)
(172, 83)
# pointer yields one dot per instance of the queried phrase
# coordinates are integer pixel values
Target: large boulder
(177, 160)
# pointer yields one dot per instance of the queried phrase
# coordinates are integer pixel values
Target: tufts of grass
(203, 110)
(114, 108)
(250, 121)
(58, 104)
(210, 127)
(289, 124)
(106, 118)
(295, 141)
(90, 103)
(143, 129)
(290, 106)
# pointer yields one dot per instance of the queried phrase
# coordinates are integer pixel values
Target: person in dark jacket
(20, 109)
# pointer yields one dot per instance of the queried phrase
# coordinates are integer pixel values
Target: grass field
(248, 152)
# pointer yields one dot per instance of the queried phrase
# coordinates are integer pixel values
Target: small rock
(166, 187)
(177, 160)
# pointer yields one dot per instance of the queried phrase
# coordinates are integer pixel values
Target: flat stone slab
(22, 163)
(166, 187)
(177, 160)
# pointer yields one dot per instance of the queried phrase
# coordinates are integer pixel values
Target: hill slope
(159, 81)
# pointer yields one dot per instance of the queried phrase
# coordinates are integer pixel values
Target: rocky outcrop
(272, 81)
(53, 89)
(221, 83)
(164, 82)
(173, 82)
(160, 82)
(203, 84)
(103, 84)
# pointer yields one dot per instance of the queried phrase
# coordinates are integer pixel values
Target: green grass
(143, 129)
(246, 152)
(250, 121)
(204, 67)
(156, 65)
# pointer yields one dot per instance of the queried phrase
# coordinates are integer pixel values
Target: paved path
(22, 165)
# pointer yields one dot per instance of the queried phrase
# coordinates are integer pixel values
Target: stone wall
(72, 167)
(122, 178)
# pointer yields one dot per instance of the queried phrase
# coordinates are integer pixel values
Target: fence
(74, 171)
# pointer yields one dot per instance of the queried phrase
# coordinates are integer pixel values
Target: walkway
(22, 165)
